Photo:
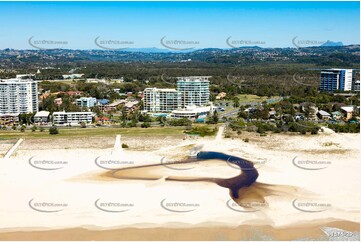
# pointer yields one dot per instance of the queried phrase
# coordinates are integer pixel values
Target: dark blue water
(248, 175)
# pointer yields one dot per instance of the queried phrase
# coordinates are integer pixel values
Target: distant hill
(330, 53)
(331, 43)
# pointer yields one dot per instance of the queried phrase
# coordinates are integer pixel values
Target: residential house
(347, 111)
(337, 115)
(310, 109)
(323, 115)
(221, 95)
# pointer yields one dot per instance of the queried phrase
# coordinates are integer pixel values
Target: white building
(42, 117)
(191, 91)
(73, 76)
(194, 90)
(161, 100)
(72, 118)
(24, 76)
(18, 96)
(192, 112)
(87, 102)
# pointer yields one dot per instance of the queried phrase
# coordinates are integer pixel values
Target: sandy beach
(63, 190)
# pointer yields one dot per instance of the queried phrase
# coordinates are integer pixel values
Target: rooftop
(42, 114)
(348, 109)
(324, 113)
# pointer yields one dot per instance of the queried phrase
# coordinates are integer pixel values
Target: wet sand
(248, 173)
(308, 231)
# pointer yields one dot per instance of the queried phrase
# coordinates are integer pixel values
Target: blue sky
(206, 24)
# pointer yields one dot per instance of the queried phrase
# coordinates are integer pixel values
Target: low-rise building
(73, 76)
(42, 117)
(71, 118)
(323, 115)
(86, 102)
(113, 106)
(9, 119)
(310, 109)
(337, 115)
(347, 111)
(131, 106)
(192, 112)
(102, 102)
(221, 95)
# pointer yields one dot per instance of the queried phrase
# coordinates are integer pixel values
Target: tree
(236, 102)
(214, 119)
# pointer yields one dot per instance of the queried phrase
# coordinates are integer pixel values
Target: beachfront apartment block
(86, 102)
(191, 92)
(194, 90)
(161, 100)
(336, 79)
(72, 118)
(18, 96)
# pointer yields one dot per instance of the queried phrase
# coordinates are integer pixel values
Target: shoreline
(206, 231)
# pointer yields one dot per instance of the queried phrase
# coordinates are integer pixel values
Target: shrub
(180, 122)
(125, 146)
(345, 128)
(34, 128)
(202, 131)
(145, 125)
(227, 135)
(22, 129)
(132, 124)
(83, 125)
(41, 129)
(53, 130)
(246, 140)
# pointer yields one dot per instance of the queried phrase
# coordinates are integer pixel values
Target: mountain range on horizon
(328, 43)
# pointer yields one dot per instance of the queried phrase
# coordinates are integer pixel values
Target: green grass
(253, 98)
(99, 132)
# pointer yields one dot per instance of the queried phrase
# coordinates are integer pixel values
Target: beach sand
(293, 197)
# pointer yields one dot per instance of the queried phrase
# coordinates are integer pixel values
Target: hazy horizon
(176, 25)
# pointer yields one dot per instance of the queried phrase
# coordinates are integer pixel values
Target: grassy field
(253, 98)
(99, 132)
